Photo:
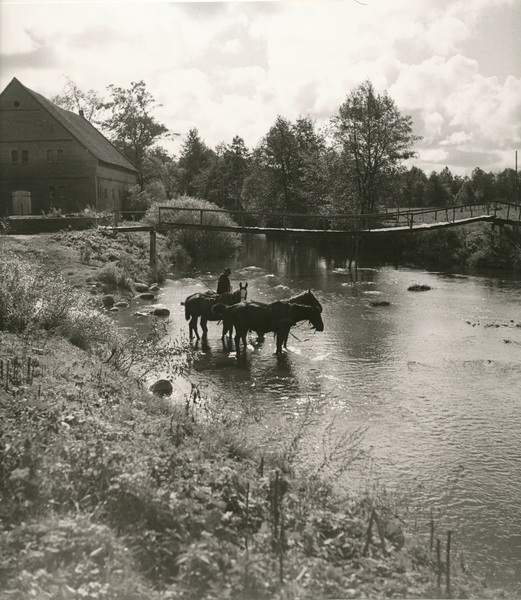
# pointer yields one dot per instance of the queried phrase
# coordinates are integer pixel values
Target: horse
(278, 316)
(200, 305)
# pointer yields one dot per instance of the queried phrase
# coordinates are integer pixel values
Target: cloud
(229, 68)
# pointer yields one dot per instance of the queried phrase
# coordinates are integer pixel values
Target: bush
(199, 244)
(33, 299)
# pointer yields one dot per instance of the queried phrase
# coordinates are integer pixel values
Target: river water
(433, 377)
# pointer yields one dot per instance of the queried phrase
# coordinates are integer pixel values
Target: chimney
(81, 113)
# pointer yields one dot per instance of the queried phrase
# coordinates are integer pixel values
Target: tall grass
(33, 298)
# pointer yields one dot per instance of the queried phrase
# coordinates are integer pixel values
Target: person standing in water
(224, 285)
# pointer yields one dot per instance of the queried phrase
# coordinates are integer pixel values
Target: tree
(195, 158)
(376, 139)
(413, 184)
(280, 153)
(159, 166)
(482, 185)
(437, 191)
(132, 128)
(235, 159)
(287, 172)
(88, 104)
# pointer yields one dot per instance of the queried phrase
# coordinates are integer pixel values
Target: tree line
(354, 163)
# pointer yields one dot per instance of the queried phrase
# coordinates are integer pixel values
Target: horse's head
(315, 318)
(303, 312)
(243, 291)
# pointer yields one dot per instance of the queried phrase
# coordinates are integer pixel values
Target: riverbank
(111, 492)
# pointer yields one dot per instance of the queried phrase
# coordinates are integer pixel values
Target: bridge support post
(153, 256)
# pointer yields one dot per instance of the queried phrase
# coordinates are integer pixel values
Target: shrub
(33, 299)
(197, 243)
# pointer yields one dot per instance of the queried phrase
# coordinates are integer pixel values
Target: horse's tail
(187, 311)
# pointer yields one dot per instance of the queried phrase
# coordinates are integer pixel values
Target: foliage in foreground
(32, 300)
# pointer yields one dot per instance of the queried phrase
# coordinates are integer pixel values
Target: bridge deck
(164, 227)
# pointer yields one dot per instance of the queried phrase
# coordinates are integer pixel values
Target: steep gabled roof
(84, 132)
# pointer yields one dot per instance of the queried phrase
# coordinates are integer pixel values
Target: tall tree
(281, 156)
(376, 139)
(88, 104)
(437, 191)
(132, 128)
(196, 157)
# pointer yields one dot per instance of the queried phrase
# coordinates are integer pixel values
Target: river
(433, 378)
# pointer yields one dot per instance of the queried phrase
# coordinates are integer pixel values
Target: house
(51, 158)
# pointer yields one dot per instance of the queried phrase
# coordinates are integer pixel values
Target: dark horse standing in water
(277, 317)
(200, 305)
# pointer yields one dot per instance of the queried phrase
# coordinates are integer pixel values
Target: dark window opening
(16, 104)
(49, 156)
(60, 155)
(14, 155)
(25, 156)
(51, 192)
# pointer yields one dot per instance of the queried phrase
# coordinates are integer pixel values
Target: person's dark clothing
(224, 285)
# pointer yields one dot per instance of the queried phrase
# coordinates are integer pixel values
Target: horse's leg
(237, 342)
(193, 327)
(204, 326)
(227, 328)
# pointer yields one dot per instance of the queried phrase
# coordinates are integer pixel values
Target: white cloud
(432, 122)
(458, 138)
(231, 68)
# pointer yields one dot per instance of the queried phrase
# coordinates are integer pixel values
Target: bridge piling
(153, 252)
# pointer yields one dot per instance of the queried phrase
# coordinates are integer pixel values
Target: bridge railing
(399, 217)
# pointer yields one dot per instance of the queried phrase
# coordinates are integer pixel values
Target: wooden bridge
(393, 220)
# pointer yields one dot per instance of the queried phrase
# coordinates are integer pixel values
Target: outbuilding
(54, 159)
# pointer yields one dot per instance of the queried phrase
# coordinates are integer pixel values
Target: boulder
(121, 304)
(140, 287)
(108, 300)
(146, 296)
(161, 312)
(162, 387)
(154, 288)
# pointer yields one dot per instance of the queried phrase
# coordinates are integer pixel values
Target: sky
(230, 68)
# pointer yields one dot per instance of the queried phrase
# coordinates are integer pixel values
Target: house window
(25, 156)
(14, 156)
(49, 156)
(60, 155)
(105, 193)
(62, 192)
(51, 192)
(113, 194)
(16, 104)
